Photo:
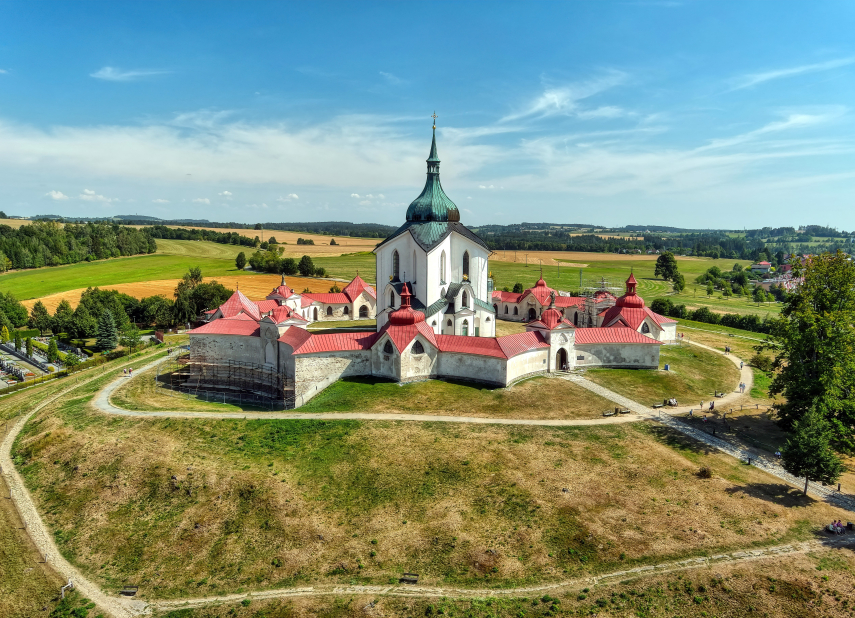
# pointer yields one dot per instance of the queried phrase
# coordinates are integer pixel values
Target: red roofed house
(761, 267)
(435, 325)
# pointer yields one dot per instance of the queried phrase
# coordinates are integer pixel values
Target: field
(197, 507)
(534, 398)
(694, 375)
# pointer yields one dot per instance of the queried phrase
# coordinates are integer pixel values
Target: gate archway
(561, 360)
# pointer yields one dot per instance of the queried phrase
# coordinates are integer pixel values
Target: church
(436, 319)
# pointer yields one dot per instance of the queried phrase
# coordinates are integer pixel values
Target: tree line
(47, 243)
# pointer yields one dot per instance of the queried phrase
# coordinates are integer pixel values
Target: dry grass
(536, 398)
(800, 586)
(195, 506)
(255, 287)
(578, 259)
(508, 328)
(15, 223)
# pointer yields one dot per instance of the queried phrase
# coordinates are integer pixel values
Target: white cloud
(256, 206)
(381, 196)
(202, 200)
(753, 79)
(112, 74)
(365, 203)
(288, 198)
(486, 187)
(160, 201)
(393, 79)
(564, 100)
(356, 195)
(226, 195)
(89, 195)
(2, 71)
(56, 195)
(608, 111)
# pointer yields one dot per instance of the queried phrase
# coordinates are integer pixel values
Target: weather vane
(434, 119)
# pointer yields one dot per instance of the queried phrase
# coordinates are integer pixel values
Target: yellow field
(255, 287)
(16, 223)
(578, 259)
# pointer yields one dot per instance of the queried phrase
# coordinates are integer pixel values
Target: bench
(129, 591)
(625, 411)
(658, 405)
(609, 413)
(409, 578)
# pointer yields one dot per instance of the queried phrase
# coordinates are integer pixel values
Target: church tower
(443, 263)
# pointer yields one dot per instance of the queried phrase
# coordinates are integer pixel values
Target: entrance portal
(561, 360)
(532, 314)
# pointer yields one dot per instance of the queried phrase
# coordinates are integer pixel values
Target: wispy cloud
(202, 200)
(3, 71)
(56, 195)
(792, 121)
(160, 201)
(564, 100)
(288, 198)
(113, 74)
(391, 78)
(752, 79)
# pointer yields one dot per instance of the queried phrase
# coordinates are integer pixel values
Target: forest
(47, 243)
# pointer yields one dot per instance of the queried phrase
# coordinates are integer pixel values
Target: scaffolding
(215, 379)
(594, 285)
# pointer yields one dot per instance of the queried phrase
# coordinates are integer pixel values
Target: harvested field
(255, 287)
(200, 507)
(15, 223)
(576, 258)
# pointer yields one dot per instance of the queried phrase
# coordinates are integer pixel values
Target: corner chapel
(440, 261)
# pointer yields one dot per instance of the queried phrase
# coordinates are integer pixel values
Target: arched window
(316, 314)
(466, 264)
(645, 329)
(396, 264)
(387, 349)
(488, 319)
(442, 268)
(465, 299)
(448, 323)
(506, 309)
(465, 331)
(329, 311)
(516, 311)
(392, 300)
(433, 323)
(576, 318)
(363, 311)
(346, 311)
(418, 348)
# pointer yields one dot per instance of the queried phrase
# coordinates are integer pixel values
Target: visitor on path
(712, 405)
(840, 527)
(778, 454)
(692, 412)
(741, 365)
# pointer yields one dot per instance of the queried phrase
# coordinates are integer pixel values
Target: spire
(405, 297)
(433, 204)
(283, 279)
(433, 157)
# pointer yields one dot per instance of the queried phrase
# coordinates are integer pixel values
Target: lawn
(195, 507)
(533, 398)
(694, 374)
(741, 342)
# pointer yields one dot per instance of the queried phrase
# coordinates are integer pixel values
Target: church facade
(436, 317)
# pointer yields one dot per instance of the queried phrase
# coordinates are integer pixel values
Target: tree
(14, 310)
(130, 337)
(71, 360)
(726, 292)
(40, 318)
(52, 350)
(83, 323)
(17, 338)
(518, 288)
(289, 266)
(62, 318)
(29, 345)
(814, 342)
(272, 241)
(710, 289)
(333, 242)
(240, 260)
(666, 266)
(335, 289)
(679, 283)
(320, 272)
(808, 451)
(108, 336)
(306, 266)
(4, 334)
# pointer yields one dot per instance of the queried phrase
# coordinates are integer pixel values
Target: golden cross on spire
(434, 118)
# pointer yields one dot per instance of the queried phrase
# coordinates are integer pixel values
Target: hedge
(753, 323)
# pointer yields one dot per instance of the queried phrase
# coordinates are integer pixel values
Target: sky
(686, 113)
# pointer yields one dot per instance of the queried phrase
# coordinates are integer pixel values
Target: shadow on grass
(677, 440)
(777, 493)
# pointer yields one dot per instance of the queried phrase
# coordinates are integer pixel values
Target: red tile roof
(481, 346)
(305, 301)
(618, 334)
(569, 301)
(283, 291)
(550, 319)
(335, 342)
(763, 264)
(402, 335)
(266, 306)
(331, 298)
(356, 287)
(295, 337)
(238, 303)
(521, 342)
(540, 291)
(282, 313)
(506, 297)
(229, 326)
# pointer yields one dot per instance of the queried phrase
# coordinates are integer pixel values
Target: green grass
(762, 382)
(694, 375)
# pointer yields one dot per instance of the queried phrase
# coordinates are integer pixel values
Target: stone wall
(535, 361)
(635, 355)
(472, 367)
(418, 366)
(314, 372)
(227, 347)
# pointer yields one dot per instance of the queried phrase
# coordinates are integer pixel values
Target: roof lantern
(432, 204)
(406, 315)
(551, 317)
(630, 299)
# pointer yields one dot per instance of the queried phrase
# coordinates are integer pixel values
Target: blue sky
(693, 114)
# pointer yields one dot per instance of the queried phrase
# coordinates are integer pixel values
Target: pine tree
(808, 452)
(17, 337)
(306, 266)
(29, 344)
(4, 334)
(40, 318)
(240, 260)
(108, 336)
(63, 318)
(52, 351)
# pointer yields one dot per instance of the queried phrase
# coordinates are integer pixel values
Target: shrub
(705, 473)
(762, 362)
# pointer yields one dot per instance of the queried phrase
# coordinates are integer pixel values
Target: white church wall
(472, 367)
(633, 355)
(527, 363)
(669, 332)
(314, 372)
(418, 366)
